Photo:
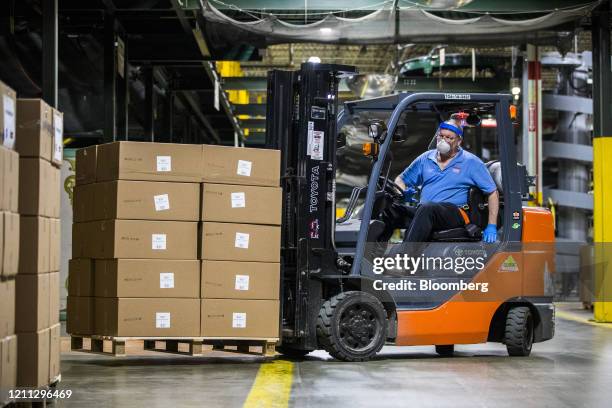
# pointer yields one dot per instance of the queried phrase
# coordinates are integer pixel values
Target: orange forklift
(332, 296)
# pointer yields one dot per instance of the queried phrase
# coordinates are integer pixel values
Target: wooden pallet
(189, 346)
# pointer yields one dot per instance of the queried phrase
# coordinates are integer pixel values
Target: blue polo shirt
(452, 184)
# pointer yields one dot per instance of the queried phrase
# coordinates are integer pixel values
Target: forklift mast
(301, 122)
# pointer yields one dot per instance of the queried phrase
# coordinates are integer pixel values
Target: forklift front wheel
(519, 331)
(352, 326)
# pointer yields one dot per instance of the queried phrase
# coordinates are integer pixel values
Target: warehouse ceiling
(155, 34)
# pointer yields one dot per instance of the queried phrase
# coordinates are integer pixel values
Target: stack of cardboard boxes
(136, 239)
(39, 144)
(240, 243)
(137, 228)
(9, 240)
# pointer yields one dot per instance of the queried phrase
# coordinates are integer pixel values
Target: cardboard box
(35, 128)
(80, 277)
(147, 317)
(79, 316)
(157, 278)
(240, 242)
(55, 241)
(242, 204)
(32, 302)
(241, 165)
(149, 162)
(7, 307)
(39, 188)
(240, 280)
(240, 318)
(9, 174)
(8, 116)
(83, 202)
(8, 365)
(57, 151)
(9, 254)
(54, 298)
(135, 239)
(34, 246)
(146, 200)
(86, 165)
(54, 352)
(33, 359)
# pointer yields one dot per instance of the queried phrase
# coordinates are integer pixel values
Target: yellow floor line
(574, 318)
(272, 386)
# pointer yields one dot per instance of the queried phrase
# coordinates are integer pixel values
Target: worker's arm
(400, 182)
(493, 201)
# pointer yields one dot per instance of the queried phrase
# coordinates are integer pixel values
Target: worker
(445, 175)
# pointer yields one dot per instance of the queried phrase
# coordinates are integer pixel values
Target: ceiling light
(314, 60)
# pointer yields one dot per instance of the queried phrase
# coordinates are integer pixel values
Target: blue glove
(489, 235)
(409, 195)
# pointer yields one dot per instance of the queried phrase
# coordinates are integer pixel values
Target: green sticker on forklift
(516, 225)
(509, 265)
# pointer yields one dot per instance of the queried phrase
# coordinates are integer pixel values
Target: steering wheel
(389, 186)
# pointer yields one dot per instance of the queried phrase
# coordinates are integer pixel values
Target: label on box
(58, 136)
(242, 282)
(238, 200)
(239, 320)
(158, 241)
(162, 320)
(166, 280)
(162, 202)
(242, 240)
(244, 168)
(9, 122)
(164, 163)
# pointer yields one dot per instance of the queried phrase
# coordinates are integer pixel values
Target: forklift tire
(292, 353)
(445, 350)
(519, 331)
(352, 326)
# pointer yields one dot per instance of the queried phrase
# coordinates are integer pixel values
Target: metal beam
(253, 123)
(415, 84)
(571, 198)
(49, 57)
(254, 109)
(246, 83)
(569, 151)
(149, 105)
(123, 93)
(602, 77)
(568, 103)
(110, 78)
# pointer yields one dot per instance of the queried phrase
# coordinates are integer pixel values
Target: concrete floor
(572, 370)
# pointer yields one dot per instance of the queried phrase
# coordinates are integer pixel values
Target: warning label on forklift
(509, 265)
(316, 139)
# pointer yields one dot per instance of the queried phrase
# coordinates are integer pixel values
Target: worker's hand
(489, 235)
(409, 195)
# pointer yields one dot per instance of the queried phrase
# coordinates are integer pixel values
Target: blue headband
(452, 128)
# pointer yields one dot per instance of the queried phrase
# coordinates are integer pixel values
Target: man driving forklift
(445, 175)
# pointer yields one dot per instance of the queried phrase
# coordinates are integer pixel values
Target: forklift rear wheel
(352, 326)
(519, 331)
(445, 350)
(292, 353)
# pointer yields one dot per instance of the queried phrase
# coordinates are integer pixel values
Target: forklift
(331, 295)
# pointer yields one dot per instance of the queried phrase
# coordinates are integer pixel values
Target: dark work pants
(430, 217)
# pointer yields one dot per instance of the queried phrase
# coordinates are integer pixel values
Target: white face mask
(443, 147)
